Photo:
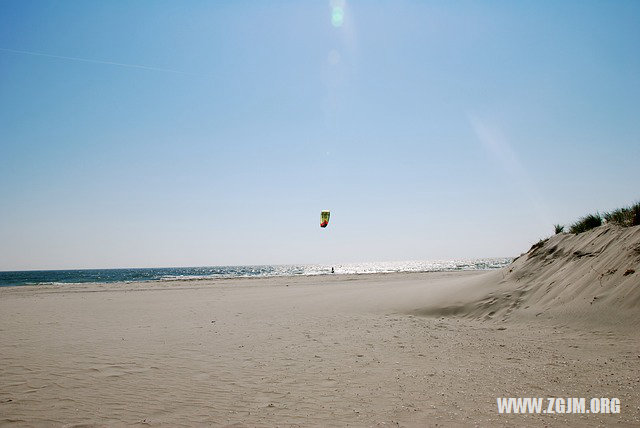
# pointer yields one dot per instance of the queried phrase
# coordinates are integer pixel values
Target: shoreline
(215, 281)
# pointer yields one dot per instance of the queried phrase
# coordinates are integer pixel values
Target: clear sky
(187, 133)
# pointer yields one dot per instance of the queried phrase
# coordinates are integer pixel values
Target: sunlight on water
(219, 272)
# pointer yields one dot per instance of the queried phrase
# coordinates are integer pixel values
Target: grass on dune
(627, 216)
(587, 222)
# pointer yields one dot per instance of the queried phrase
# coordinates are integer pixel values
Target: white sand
(333, 350)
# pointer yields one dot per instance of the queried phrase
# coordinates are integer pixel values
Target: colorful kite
(324, 218)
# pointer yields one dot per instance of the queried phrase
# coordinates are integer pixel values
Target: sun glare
(337, 13)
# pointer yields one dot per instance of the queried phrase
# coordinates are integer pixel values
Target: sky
(200, 133)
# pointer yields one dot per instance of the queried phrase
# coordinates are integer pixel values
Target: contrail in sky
(95, 61)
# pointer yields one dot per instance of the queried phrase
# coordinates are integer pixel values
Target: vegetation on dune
(587, 222)
(627, 216)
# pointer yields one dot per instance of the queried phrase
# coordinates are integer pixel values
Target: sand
(362, 350)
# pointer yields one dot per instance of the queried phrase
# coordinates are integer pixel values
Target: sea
(83, 276)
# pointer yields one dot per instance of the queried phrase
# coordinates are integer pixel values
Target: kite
(324, 218)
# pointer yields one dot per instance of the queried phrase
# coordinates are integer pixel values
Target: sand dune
(593, 278)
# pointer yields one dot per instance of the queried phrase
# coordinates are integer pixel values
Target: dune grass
(627, 216)
(587, 222)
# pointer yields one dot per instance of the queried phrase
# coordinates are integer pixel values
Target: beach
(323, 350)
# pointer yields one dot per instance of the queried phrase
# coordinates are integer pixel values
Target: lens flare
(333, 57)
(337, 16)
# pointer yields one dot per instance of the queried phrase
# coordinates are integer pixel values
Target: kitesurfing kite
(324, 218)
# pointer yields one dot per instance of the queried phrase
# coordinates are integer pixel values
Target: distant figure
(332, 271)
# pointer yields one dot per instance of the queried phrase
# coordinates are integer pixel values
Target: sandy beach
(361, 350)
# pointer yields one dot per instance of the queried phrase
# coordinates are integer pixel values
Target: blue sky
(166, 133)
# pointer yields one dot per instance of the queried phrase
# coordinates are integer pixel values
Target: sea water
(37, 277)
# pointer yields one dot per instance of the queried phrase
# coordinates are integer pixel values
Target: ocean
(78, 276)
